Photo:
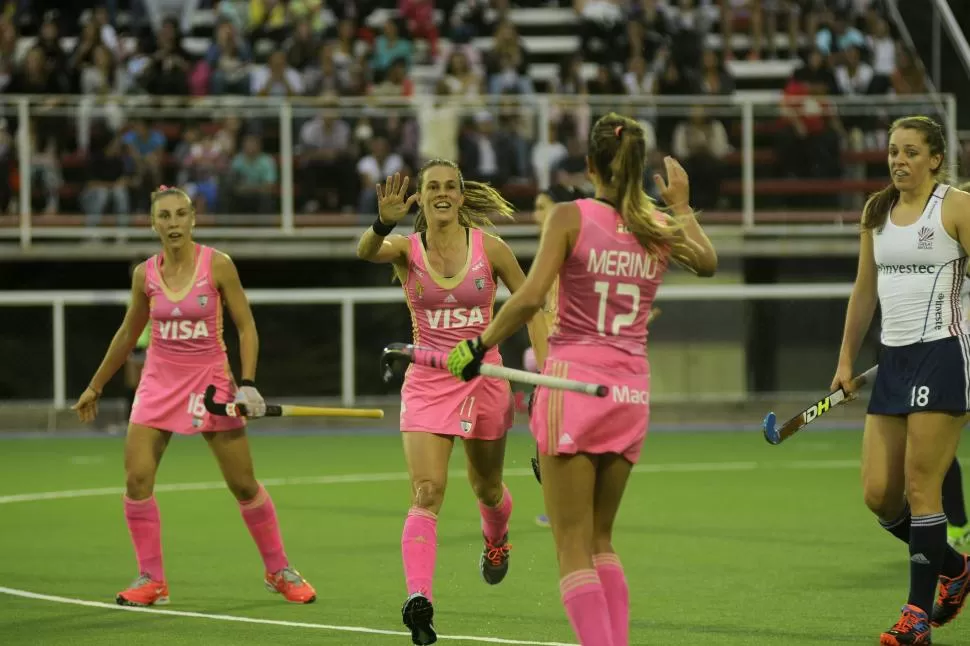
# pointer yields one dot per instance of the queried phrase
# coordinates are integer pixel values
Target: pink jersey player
(181, 292)
(186, 353)
(609, 255)
(448, 268)
(443, 311)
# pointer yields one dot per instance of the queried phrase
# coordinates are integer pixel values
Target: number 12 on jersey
(619, 320)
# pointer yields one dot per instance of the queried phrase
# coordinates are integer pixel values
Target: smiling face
(440, 188)
(911, 158)
(173, 218)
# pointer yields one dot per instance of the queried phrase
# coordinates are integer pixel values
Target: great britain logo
(924, 238)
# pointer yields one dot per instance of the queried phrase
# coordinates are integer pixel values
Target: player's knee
(924, 491)
(243, 488)
(489, 493)
(428, 494)
(885, 502)
(139, 483)
(574, 540)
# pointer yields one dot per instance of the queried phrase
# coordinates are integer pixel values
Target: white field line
(359, 478)
(253, 620)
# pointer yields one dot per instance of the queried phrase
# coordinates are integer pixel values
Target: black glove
(535, 466)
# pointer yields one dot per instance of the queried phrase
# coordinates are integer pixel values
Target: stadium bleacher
(548, 34)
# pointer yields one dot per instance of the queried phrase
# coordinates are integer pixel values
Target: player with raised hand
(912, 262)
(180, 292)
(588, 446)
(447, 268)
(545, 200)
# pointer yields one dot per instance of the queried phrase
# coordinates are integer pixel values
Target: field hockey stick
(775, 435)
(438, 359)
(238, 409)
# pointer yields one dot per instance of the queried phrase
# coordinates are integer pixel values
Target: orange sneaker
(144, 592)
(291, 584)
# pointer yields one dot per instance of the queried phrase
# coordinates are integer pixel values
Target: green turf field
(726, 540)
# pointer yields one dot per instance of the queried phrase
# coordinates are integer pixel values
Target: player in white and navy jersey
(912, 263)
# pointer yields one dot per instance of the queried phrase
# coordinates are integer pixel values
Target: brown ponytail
(618, 151)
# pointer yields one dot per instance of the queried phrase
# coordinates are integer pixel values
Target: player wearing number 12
(180, 292)
(912, 262)
(610, 254)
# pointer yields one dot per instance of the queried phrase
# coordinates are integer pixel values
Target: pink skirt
(434, 401)
(170, 395)
(567, 423)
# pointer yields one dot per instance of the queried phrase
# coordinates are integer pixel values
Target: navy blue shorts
(930, 376)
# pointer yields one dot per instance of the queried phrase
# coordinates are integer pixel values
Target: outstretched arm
(554, 245)
(510, 272)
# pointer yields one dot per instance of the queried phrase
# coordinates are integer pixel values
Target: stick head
(394, 360)
(770, 429)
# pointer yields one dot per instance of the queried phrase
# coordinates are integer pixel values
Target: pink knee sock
(495, 520)
(419, 548)
(582, 595)
(260, 517)
(145, 527)
(611, 575)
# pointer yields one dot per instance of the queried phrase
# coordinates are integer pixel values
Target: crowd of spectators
(327, 49)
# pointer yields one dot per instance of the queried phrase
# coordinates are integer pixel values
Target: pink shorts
(567, 423)
(170, 395)
(433, 401)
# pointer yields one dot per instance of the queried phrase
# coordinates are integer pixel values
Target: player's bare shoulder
(956, 213)
(138, 273)
(223, 269)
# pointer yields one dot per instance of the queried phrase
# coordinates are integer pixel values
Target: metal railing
(535, 114)
(347, 299)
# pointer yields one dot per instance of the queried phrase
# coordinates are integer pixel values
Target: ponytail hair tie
(163, 188)
(618, 131)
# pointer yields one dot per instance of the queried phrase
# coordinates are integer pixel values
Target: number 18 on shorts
(923, 377)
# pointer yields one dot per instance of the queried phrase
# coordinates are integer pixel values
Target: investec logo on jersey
(176, 330)
(906, 269)
(626, 264)
(456, 317)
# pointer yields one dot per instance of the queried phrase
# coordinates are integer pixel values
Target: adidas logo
(176, 312)
(450, 298)
(920, 558)
(565, 439)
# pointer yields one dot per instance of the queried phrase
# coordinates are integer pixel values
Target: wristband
(94, 390)
(382, 229)
(247, 382)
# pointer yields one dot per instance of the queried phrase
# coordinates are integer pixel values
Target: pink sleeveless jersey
(186, 353)
(447, 310)
(187, 325)
(607, 285)
(444, 312)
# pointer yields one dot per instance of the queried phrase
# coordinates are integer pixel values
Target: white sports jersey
(921, 276)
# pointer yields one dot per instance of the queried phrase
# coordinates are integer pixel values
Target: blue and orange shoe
(953, 594)
(494, 564)
(144, 592)
(291, 584)
(913, 627)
